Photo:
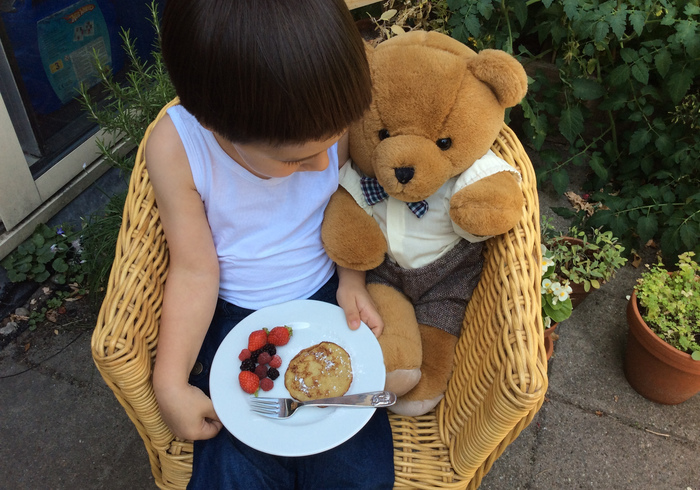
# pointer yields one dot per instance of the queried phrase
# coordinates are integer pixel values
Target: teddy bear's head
(437, 107)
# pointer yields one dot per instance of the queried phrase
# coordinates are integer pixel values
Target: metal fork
(281, 408)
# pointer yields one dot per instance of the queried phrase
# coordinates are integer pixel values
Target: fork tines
(265, 405)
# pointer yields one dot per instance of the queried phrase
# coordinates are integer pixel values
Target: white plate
(312, 429)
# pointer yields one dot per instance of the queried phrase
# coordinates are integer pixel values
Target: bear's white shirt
(414, 242)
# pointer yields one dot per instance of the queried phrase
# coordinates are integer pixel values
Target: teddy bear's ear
(502, 73)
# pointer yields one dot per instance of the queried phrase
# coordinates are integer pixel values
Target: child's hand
(356, 302)
(188, 412)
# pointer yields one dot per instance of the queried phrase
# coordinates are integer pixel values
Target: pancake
(320, 371)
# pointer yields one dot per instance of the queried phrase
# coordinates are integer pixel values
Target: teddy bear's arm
(351, 237)
(490, 206)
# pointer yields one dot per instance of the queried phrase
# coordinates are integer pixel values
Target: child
(242, 171)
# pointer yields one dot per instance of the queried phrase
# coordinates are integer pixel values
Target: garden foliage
(617, 80)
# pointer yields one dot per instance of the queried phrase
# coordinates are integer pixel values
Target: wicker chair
(499, 379)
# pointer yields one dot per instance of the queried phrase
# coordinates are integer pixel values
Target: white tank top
(267, 232)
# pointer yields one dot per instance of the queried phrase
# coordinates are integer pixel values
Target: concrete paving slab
(64, 435)
(583, 450)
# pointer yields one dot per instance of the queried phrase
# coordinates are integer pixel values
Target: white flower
(561, 293)
(546, 263)
(546, 285)
(547, 322)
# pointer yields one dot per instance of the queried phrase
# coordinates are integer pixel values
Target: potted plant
(586, 261)
(662, 360)
(556, 302)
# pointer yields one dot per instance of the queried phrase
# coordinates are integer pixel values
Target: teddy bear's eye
(443, 143)
(383, 134)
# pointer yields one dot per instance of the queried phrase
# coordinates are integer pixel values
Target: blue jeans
(365, 461)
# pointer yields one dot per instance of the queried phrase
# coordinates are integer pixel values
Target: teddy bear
(419, 196)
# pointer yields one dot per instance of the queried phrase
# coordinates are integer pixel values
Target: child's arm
(191, 289)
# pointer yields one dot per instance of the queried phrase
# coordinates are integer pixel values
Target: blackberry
(248, 365)
(273, 373)
(254, 355)
(270, 349)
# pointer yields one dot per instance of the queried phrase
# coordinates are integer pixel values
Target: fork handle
(370, 399)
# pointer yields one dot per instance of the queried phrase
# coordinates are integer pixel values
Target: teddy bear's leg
(438, 358)
(400, 340)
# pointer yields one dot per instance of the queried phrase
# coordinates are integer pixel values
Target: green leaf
(629, 55)
(563, 212)
(59, 265)
(596, 164)
(663, 61)
(620, 75)
(637, 19)
(678, 85)
(571, 123)
(647, 226)
(560, 181)
(618, 23)
(520, 10)
(485, 8)
(587, 89)
(691, 9)
(38, 240)
(689, 234)
(15, 276)
(571, 8)
(42, 276)
(665, 144)
(472, 24)
(59, 278)
(695, 355)
(601, 30)
(640, 71)
(639, 140)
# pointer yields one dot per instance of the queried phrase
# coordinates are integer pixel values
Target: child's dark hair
(273, 71)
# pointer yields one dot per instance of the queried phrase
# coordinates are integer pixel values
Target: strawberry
(275, 362)
(257, 340)
(245, 354)
(249, 381)
(261, 371)
(264, 358)
(279, 335)
(266, 384)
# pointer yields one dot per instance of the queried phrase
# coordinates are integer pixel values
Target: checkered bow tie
(375, 193)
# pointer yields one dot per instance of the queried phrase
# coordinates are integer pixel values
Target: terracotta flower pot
(549, 340)
(656, 370)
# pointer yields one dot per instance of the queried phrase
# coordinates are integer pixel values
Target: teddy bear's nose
(404, 174)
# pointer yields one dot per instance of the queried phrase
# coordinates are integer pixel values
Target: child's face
(266, 161)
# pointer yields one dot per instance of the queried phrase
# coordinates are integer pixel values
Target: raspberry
(245, 354)
(261, 371)
(266, 384)
(275, 362)
(273, 373)
(279, 335)
(270, 349)
(249, 382)
(254, 355)
(256, 340)
(264, 358)
(248, 365)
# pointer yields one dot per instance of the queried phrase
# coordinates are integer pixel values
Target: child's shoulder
(163, 142)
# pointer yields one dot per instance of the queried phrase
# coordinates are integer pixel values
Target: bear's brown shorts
(440, 290)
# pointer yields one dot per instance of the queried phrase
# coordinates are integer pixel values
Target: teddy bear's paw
(401, 381)
(414, 408)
